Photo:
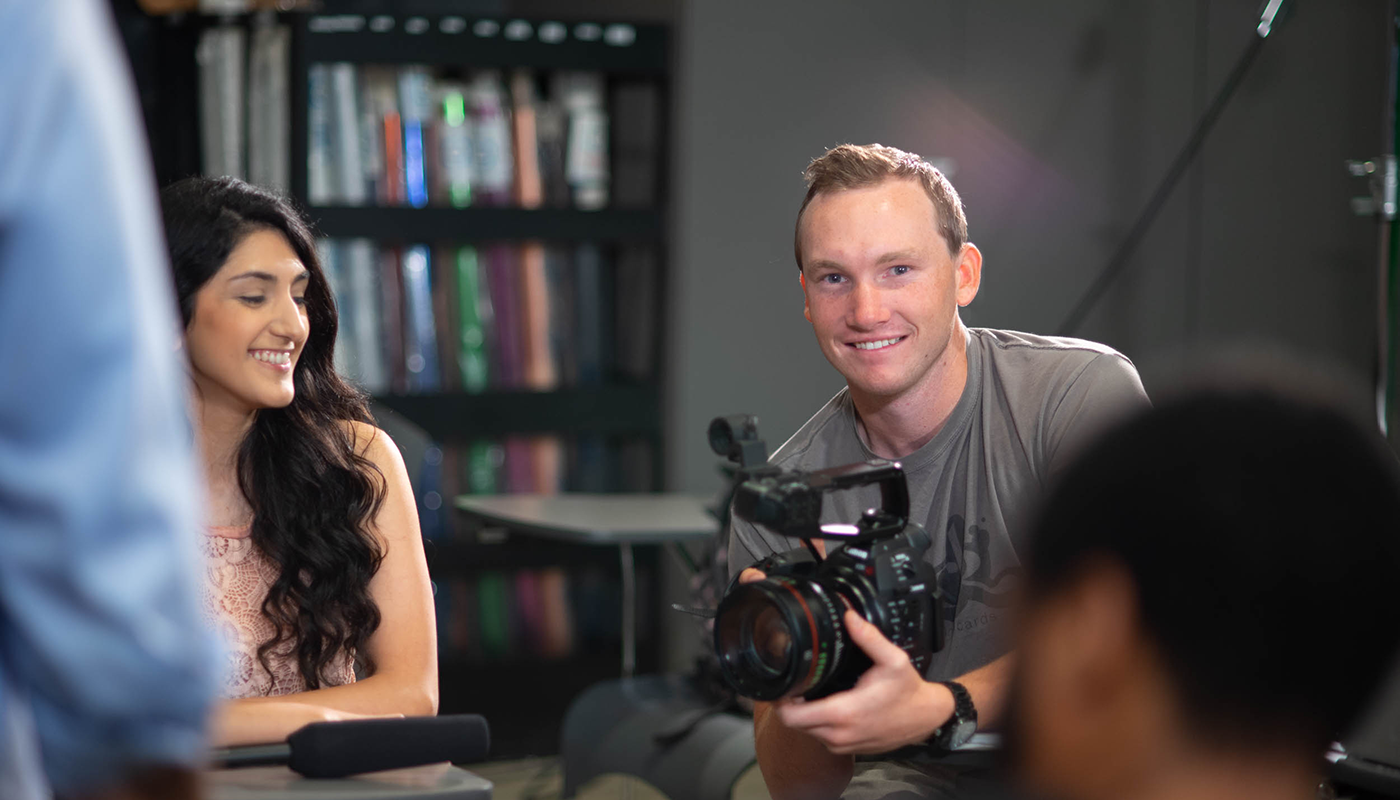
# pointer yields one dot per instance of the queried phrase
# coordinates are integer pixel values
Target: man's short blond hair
(858, 166)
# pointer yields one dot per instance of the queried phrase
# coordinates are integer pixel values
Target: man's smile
(877, 344)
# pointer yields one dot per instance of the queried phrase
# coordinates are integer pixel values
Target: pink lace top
(237, 577)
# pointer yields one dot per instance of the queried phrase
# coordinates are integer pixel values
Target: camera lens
(772, 640)
(779, 637)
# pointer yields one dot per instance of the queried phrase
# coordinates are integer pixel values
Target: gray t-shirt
(1029, 402)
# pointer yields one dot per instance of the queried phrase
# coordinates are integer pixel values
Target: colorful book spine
(591, 316)
(494, 612)
(381, 96)
(269, 105)
(529, 189)
(473, 317)
(391, 306)
(420, 335)
(414, 108)
(457, 149)
(363, 314)
(431, 512)
(318, 135)
(445, 306)
(507, 365)
(586, 153)
(347, 160)
(483, 467)
(492, 139)
(557, 624)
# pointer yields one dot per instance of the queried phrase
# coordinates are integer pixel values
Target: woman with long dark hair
(315, 561)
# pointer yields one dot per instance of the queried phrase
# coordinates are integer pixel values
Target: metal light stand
(1269, 19)
(1382, 176)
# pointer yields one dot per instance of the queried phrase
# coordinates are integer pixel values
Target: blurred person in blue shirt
(106, 674)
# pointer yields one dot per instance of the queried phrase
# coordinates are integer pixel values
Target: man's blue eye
(831, 278)
(900, 270)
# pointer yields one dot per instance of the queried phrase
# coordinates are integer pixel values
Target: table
(601, 519)
(429, 782)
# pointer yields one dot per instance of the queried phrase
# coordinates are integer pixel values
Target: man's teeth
(273, 356)
(877, 345)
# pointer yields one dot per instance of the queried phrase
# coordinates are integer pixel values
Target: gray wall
(1060, 117)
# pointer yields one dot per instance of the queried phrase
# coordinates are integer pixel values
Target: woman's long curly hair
(312, 493)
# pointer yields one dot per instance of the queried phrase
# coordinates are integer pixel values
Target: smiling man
(980, 420)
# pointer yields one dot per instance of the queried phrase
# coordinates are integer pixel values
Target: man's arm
(98, 613)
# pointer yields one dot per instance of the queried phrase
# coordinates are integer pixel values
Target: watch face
(962, 732)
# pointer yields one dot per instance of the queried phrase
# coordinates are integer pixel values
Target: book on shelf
(586, 150)
(491, 140)
(269, 105)
(455, 178)
(392, 313)
(420, 334)
(432, 510)
(445, 309)
(415, 110)
(591, 314)
(221, 59)
(361, 313)
(319, 152)
(410, 136)
(636, 144)
(635, 318)
(474, 318)
(383, 130)
(504, 316)
(346, 159)
(507, 339)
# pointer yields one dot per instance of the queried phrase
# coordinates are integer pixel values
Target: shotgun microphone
(350, 747)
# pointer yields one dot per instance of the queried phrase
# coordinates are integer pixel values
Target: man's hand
(890, 706)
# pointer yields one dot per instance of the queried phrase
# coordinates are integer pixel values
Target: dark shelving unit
(487, 224)
(523, 698)
(454, 40)
(612, 410)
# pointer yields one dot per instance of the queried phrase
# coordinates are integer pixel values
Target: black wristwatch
(959, 728)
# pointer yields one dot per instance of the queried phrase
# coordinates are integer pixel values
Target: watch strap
(946, 735)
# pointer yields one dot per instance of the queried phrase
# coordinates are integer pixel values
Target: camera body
(784, 635)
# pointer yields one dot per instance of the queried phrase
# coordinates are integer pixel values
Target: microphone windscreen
(337, 749)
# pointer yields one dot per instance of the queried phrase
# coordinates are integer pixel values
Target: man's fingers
(881, 650)
(750, 575)
(832, 710)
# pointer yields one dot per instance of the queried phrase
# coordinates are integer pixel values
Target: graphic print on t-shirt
(967, 563)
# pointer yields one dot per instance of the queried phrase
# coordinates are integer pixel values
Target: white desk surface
(597, 518)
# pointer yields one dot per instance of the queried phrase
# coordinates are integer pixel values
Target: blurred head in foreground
(1209, 600)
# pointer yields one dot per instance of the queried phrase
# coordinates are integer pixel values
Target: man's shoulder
(1029, 350)
(1039, 363)
(809, 446)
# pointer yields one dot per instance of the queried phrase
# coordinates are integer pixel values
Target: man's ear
(1106, 633)
(806, 308)
(969, 273)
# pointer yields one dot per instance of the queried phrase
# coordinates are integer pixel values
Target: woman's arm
(404, 646)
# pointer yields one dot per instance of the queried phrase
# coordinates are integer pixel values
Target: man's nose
(868, 308)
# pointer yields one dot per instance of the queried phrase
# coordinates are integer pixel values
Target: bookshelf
(597, 415)
(583, 410)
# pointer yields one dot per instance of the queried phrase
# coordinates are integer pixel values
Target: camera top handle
(790, 503)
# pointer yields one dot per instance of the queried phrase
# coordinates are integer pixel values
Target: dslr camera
(784, 636)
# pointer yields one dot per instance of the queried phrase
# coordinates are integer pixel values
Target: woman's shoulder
(372, 443)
